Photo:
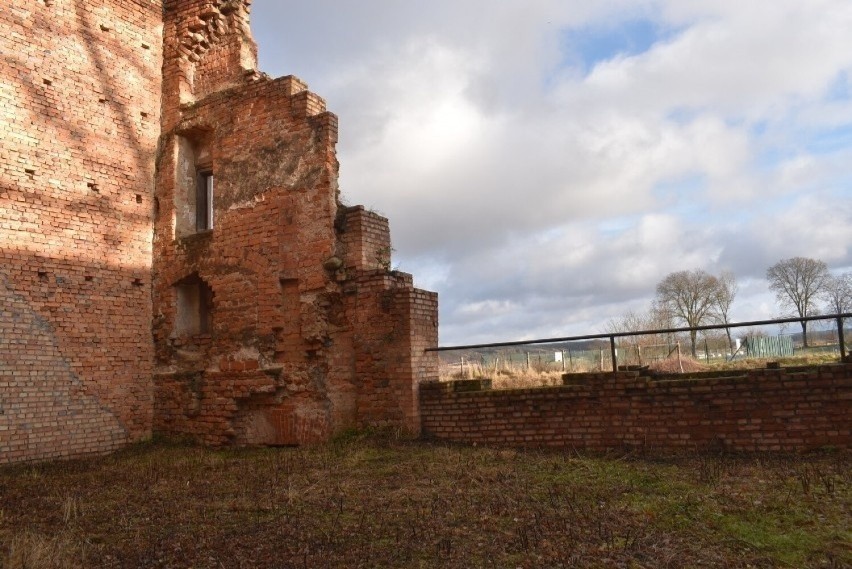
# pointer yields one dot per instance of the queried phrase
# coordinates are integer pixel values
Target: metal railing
(838, 318)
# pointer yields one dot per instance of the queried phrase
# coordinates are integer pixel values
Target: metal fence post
(841, 339)
(612, 351)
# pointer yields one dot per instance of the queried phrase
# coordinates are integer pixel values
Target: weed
(711, 468)
(70, 509)
(32, 551)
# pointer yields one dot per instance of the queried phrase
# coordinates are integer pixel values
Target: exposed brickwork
(300, 287)
(167, 210)
(394, 325)
(79, 121)
(170, 230)
(366, 237)
(764, 410)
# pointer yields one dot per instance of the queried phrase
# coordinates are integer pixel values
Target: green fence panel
(769, 347)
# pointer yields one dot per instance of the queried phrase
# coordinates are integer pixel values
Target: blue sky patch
(587, 46)
(676, 192)
(840, 89)
(830, 140)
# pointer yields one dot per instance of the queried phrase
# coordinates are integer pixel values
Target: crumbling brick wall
(288, 290)
(174, 253)
(79, 120)
(759, 410)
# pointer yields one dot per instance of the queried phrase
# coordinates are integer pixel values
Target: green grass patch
(376, 500)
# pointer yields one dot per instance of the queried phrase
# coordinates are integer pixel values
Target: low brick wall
(790, 409)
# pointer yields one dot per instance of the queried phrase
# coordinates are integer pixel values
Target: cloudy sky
(545, 163)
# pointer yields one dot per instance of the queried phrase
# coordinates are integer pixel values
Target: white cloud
(542, 200)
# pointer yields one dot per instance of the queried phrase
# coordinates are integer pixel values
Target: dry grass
(377, 501)
(518, 376)
(675, 365)
(28, 550)
(814, 359)
(507, 375)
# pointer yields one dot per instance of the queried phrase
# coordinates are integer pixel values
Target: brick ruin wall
(79, 121)
(271, 318)
(283, 323)
(306, 329)
(762, 410)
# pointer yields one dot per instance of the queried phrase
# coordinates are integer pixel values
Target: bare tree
(630, 322)
(689, 297)
(838, 294)
(797, 283)
(661, 318)
(724, 299)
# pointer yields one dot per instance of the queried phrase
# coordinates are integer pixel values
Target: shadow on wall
(81, 81)
(46, 410)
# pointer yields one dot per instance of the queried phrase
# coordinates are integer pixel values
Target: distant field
(513, 374)
(377, 501)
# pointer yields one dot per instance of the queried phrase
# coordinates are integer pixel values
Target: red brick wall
(763, 410)
(300, 286)
(79, 121)
(366, 236)
(394, 324)
(101, 102)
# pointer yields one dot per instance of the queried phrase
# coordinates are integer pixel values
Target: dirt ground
(371, 500)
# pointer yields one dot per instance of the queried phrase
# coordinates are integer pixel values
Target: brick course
(302, 291)
(297, 327)
(282, 324)
(762, 410)
(79, 121)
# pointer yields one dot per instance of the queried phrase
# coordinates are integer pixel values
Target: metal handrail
(612, 336)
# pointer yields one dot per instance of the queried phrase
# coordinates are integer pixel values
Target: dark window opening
(194, 305)
(194, 188)
(204, 201)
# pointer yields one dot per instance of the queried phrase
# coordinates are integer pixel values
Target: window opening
(194, 185)
(194, 303)
(204, 201)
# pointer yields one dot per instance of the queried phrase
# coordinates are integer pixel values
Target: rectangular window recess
(204, 201)
(47, 82)
(138, 198)
(30, 171)
(194, 308)
(89, 278)
(93, 186)
(137, 282)
(145, 46)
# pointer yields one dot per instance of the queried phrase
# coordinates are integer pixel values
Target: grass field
(378, 501)
(516, 375)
